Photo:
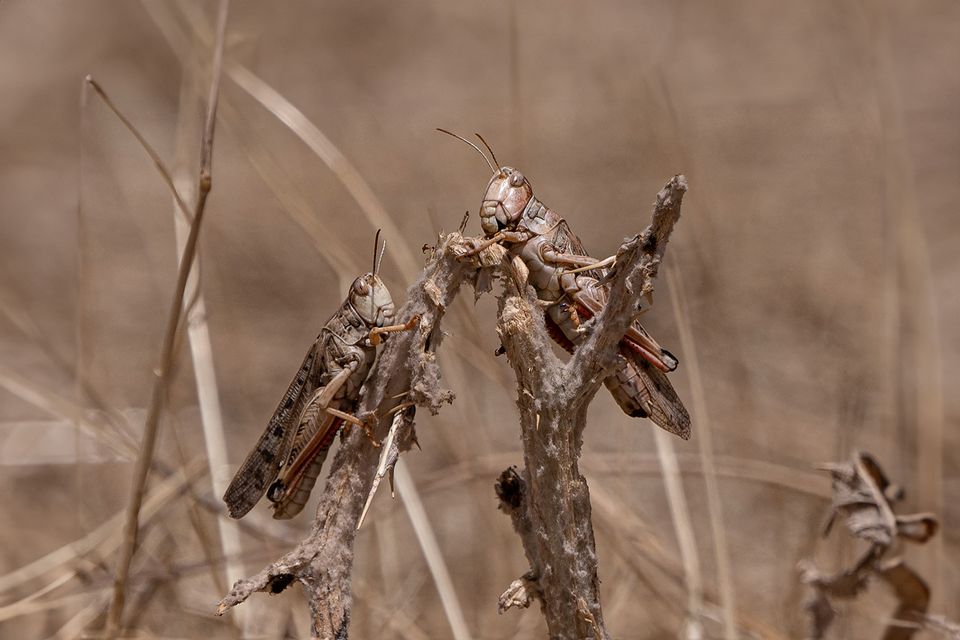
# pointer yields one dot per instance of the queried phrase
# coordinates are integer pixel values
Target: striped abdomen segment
(315, 435)
(642, 390)
(639, 388)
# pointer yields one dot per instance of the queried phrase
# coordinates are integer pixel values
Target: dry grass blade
(53, 404)
(705, 443)
(157, 161)
(201, 351)
(151, 428)
(683, 526)
(83, 618)
(431, 552)
(107, 536)
(388, 461)
(918, 344)
(643, 551)
(113, 427)
(29, 604)
(319, 143)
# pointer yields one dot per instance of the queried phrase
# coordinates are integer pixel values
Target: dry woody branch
(406, 372)
(548, 500)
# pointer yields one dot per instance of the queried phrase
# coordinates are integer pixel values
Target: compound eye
(360, 287)
(516, 179)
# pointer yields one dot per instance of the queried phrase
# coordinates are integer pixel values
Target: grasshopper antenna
(383, 249)
(376, 245)
(489, 148)
(482, 154)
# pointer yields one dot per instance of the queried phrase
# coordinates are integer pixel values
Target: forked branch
(549, 501)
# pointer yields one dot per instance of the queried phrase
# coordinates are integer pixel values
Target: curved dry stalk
(431, 551)
(151, 428)
(733, 467)
(201, 352)
(683, 526)
(728, 600)
(106, 537)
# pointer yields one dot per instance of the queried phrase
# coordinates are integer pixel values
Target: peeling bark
(549, 501)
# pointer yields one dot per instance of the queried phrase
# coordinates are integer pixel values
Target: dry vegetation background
(818, 253)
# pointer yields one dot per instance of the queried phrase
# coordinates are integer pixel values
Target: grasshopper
(572, 285)
(288, 457)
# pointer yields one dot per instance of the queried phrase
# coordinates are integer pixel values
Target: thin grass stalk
(311, 135)
(683, 526)
(81, 620)
(701, 418)
(431, 551)
(286, 193)
(28, 604)
(107, 536)
(918, 339)
(805, 483)
(151, 427)
(201, 351)
(42, 398)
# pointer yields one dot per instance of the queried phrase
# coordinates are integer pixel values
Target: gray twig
(549, 502)
(151, 426)
(407, 367)
(550, 505)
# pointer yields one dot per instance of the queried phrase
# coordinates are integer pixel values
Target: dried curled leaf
(520, 593)
(859, 495)
(913, 596)
(864, 495)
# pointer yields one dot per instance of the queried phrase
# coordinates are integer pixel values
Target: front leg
(596, 264)
(513, 237)
(376, 332)
(349, 420)
(549, 254)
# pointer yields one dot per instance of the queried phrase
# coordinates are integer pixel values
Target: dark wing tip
(238, 501)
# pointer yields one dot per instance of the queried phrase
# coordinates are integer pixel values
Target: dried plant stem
(323, 561)
(683, 526)
(428, 542)
(201, 351)
(918, 346)
(549, 502)
(145, 454)
(725, 586)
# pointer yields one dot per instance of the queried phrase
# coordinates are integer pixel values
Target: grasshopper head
(507, 196)
(371, 299)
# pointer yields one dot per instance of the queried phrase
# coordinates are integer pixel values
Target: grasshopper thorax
(506, 197)
(371, 299)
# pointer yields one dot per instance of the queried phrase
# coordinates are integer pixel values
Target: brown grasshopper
(572, 286)
(287, 458)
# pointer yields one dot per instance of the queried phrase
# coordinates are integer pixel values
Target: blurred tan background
(818, 253)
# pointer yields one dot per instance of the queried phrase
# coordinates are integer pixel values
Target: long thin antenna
(489, 148)
(376, 246)
(383, 250)
(462, 139)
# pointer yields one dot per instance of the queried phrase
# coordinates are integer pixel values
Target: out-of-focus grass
(779, 116)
